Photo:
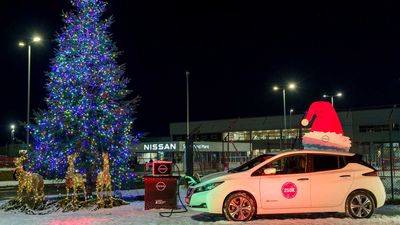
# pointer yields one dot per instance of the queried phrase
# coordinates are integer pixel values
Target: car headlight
(208, 187)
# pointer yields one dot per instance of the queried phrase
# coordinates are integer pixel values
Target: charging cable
(169, 214)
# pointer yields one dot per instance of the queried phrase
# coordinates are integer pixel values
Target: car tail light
(374, 173)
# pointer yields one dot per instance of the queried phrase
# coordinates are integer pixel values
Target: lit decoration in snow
(86, 103)
(74, 180)
(326, 130)
(30, 182)
(103, 182)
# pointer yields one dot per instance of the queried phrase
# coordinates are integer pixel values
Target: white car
(303, 181)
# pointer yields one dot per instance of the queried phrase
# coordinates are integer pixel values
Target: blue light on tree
(87, 111)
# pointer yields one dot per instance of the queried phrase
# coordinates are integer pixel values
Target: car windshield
(252, 163)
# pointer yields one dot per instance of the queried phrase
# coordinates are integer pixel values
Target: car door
(330, 180)
(289, 187)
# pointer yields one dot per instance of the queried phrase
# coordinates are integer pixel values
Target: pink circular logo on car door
(289, 190)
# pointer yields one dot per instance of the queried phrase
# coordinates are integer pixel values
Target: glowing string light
(85, 90)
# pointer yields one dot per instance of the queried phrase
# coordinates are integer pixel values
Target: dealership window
(204, 137)
(143, 158)
(179, 137)
(201, 156)
(276, 134)
(177, 157)
(214, 137)
(237, 136)
(266, 134)
(377, 128)
(237, 156)
(290, 133)
(258, 152)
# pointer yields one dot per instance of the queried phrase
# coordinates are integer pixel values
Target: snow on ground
(134, 213)
(13, 183)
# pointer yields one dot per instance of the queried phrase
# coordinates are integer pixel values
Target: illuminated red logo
(160, 186)
(162, 169)
(289, 190)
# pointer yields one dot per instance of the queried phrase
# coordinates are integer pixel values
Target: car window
(357, 159)
(325, 162)
(250, 164)
(286, 165)
(342, 161)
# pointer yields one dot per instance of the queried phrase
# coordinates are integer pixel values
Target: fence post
(391, 158)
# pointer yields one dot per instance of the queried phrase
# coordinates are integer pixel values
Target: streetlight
(12, 126)
(290, 118)
(290, 86)
(339, 94)
(23, 44)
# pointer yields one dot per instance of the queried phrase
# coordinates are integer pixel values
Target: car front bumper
(197, 201)
(206, 201)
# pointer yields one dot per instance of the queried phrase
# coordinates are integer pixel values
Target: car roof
(315, 151)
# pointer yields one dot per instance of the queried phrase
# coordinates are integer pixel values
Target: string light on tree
(87, 108)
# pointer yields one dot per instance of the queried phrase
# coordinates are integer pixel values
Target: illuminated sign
(160, 186)
(162, 169)
(161, 146)
(179, 146)
(199, 146)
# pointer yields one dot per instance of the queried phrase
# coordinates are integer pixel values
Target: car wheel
(360, 204)
(239, 207)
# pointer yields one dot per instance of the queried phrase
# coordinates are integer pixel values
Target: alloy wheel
(361, 205)
(239, 207)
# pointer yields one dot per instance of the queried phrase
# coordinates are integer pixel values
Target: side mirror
(270, 171)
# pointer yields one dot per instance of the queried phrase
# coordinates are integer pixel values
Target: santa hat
(326, 119)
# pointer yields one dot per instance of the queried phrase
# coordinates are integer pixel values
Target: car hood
(213, 175)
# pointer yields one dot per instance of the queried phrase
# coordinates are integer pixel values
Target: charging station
(161, 187)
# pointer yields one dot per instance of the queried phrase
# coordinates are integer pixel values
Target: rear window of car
(358, 159)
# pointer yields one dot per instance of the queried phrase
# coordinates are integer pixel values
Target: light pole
(12, 126)
(189, 140)
(23, 44)
(290, 86)
(339, 94)
(290, 118)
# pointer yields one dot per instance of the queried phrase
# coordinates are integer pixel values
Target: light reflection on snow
(134, 214)
(78, 221)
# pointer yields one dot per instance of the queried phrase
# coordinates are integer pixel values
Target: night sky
(235, 52)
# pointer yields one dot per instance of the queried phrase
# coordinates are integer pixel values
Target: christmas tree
(87, 111)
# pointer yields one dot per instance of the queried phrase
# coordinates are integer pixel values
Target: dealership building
(208, 156)
(373, 133)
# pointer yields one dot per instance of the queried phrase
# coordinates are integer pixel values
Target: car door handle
(302, 179)
(345, 175)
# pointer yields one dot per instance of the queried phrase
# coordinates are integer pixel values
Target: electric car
(302, 181)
